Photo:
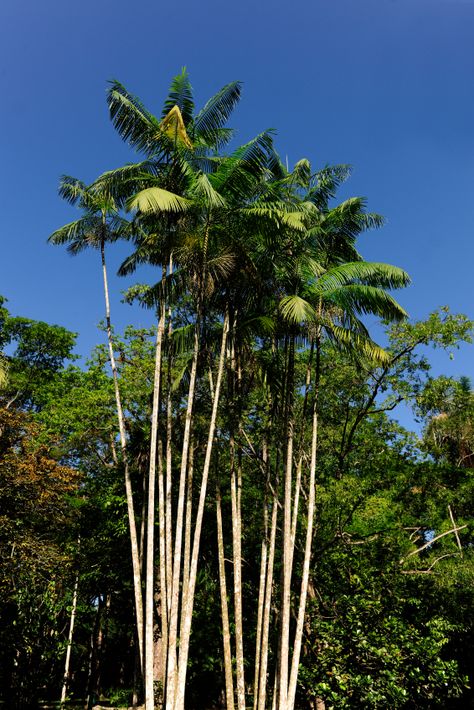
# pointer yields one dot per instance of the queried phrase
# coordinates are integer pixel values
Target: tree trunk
(260, 606)
(67, 662)
(163, 599)
(188, 607)
(287, 538)
(150, 529)
(236, 496)
(169, 460)
(174, 610)
(267, 607)
(95, 647)
(229, 683)
(137, 589)
(309, 539)
(187, 530)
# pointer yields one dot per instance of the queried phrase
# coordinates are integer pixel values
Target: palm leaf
(173, 127)
(209, 122)
(301, 173)
(181, 95)
(80, 234)
(364, 272)
(367, 300)
(296, 309)
(324, 184)
(122, 182)
(202, 188)
(243, 166)
(357, 344)
(156, 199)
(71, 189)
(130, 118)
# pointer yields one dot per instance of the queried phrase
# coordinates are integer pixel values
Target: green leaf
(156, 199)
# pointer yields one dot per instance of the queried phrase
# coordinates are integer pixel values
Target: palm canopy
(315, 278)
(145, 132)
(176, 145)
(100, 221)
(208, 232)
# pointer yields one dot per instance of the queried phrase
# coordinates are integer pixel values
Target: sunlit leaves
(157, 199)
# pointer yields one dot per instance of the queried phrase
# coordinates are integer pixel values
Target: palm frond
(174, 128)
(180, 94)
(122, 182)
(243, 166)
(202, 188)
(156, 199)
(209, 122)
(357, 344)
(133, 122)
(325, 182)
(296, 309)
(279, 217)
(221, 266)
(364, 272)
(350, 218)
(71, 189)
(301, 173)
(367, 300)
(183, 339)
(81, 233)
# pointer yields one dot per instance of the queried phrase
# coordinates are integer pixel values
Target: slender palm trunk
(67, 662)
(236, 503)
(261, 584)
(188, 607)
(229, 682)
(299, 466)
(308, 543)
(287, 538)
(162, 565)
(168, 500)
(169, 461)
(137, 588)
(171, 675)
(262, 688)
(187, 531)
(150, 530)
(259, 643)
(93, 665)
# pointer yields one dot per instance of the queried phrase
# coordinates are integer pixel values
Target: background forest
(220, 511)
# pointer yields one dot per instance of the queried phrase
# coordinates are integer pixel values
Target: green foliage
(367, 657)
(237, 237)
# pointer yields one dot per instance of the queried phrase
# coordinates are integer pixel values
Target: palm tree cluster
(256, 268)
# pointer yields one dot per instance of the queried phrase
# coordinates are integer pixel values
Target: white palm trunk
(171, 675)
(236, 488)
(137, 588)
(150, 530)
(263, 680)
(305, 574)
(187, 531)
(169, 462)
(229, 682)
(260, 606)
(162, 564)
(188, 607)
(287, 541)
(67, 662)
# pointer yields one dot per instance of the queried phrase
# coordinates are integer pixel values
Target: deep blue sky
(386, 85)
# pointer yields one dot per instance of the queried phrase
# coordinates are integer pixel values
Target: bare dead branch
(429, 569)
(430, 542)
(456, 532)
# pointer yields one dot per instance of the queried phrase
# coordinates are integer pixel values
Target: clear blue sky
(386, 85)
